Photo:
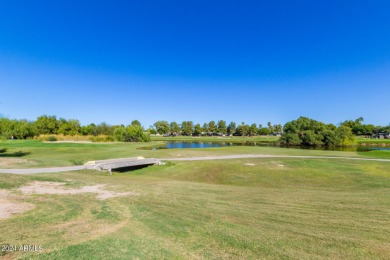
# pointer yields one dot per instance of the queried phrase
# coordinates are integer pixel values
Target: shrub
(51, 138)
(77, 162)
(101, 138)
(308, 132)
(131, 133)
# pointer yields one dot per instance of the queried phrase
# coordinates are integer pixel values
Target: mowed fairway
(34, 154)
(237, 209)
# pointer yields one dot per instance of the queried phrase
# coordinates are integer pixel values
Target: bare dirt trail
(207, 158)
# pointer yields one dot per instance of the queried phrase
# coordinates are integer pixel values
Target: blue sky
(251, 61)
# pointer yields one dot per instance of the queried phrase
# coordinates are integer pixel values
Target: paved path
(242, 156)
(208, 158)
(43, 170)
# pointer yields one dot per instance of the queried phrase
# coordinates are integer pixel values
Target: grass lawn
(362, 140)
(239, 209)
(29, 154)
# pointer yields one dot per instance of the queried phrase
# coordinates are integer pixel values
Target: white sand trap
(9, 206)
(45, 187)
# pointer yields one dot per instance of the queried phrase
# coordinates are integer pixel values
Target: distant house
(382, 135)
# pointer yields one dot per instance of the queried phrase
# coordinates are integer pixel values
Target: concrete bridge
(120, 163)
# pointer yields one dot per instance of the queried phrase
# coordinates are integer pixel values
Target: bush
(308, 132)
(51, 138)
(77, 162)
(101, 138)
(131, 133)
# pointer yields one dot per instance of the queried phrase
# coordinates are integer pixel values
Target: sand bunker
(10, 206)
(250, 164)
(39, 187)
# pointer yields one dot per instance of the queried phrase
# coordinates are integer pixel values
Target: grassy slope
(278, 208)
(41, 154)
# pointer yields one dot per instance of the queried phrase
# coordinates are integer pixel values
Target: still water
(184, 145)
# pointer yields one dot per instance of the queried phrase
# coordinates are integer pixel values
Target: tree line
(213, 128)
(303, 131)
(50, 125)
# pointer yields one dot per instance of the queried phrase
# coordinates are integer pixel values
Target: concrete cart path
(243, 156)
(207, 158)
(44, 170)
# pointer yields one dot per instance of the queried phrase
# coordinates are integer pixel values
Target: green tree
(345, 135)
(278, 128)
(290, 139)
(151, 130)
(197, 130)
(131, 133)
(231, 129)
(187, 128)
(263, 131)
(136, 123)
(355, 125)
(69, 127)
(162, 127)
(88, 129)
(6, 128)
(308, 132)
(311, 138)
(46, 125)
(253, 130)
(174, 128)
(270, 127)
(212, 128)
(242, 130)
(221, 127)
(121, 135)
(103, 129)
(23, 129)
(205, 128)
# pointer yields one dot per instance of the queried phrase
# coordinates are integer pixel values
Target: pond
(197, 144)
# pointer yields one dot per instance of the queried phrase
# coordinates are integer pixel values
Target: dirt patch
(10, 206)
(43, 187)
(9, 162)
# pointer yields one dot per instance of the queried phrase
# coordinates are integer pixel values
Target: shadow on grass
(15, 154)
(130, 169)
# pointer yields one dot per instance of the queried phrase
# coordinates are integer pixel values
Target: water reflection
(184, 145)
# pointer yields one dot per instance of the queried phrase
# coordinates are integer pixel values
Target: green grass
(247, 208)
(276, 208)
(24, 154)
(368, 141)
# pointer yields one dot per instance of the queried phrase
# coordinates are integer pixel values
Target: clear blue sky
(252, 61)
